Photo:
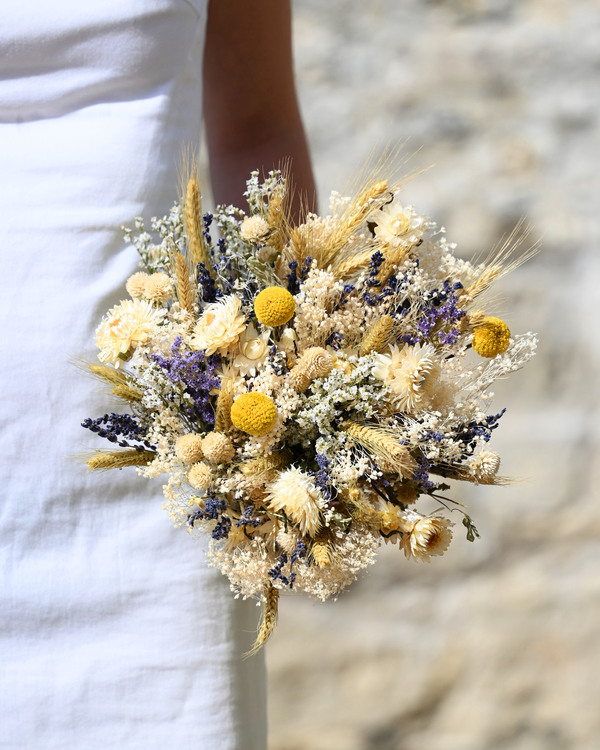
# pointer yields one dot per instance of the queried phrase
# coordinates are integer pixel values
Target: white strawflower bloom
(398, 225)
(123, 328)
(484, 466)
(411, 374)
(253, 348)
(297, 495)
(220, 326)
(429, 536)
(254, 229)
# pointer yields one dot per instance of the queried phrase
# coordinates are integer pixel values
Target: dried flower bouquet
(302, 387)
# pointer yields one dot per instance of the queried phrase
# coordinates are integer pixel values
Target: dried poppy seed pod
(315, 362)
(217, 448)
(188, 448)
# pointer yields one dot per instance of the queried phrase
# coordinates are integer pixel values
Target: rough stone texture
(496, 645)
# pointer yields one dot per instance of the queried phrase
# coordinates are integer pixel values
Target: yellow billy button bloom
(274, 306)
(491, 337)
(253, 413)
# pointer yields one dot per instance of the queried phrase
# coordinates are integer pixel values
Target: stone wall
(496, 645)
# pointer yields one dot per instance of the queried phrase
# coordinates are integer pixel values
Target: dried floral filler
(303, 388)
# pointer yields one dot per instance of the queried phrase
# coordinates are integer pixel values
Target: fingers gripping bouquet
(302, 388)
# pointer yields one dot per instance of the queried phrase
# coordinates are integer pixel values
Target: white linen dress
(113, 631)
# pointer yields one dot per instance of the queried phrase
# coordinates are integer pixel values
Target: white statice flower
(252, 350)
(254, 228)
(247, 567)
(411, 374)
(355, 550)
(296, 494)
(399, 225)
(125, 327)
(220, 326)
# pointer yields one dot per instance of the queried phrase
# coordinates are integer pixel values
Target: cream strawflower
(123, 328)
(220, 326)
(429, 536)
(297, 495)
(253, 348)
(398, 225)
(411, 374)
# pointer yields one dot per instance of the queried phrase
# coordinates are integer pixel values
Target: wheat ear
(384, 445)
(354, 216)
(343, 269)
(393, 257)
(127, 393)
(224, 402)
(378, 337)
(193, 226)
(110, 374)
(263, 464)
(269, 619)
(320, 551)
(185, 294)
(104, 460)
(276, 219)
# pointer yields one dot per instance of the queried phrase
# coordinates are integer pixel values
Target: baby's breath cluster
(301, 388)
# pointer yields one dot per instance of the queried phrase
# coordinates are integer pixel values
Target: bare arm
(250, 106)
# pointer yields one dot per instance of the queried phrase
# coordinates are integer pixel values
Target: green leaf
(471, 529)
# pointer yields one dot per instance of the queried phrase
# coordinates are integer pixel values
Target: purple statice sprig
(195, 374)
(124, 430)
(334, 340)
(248, 519)
(344, 296)
(208, 291)
(441, 314)
(276, 572)
(297, 274)
(322, 478)
(470, 434)
(213, 509)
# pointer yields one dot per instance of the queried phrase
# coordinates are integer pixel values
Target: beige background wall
(494, 646)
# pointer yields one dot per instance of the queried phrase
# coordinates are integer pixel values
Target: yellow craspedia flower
(491, 337)
(253, 413)
(274, 306)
